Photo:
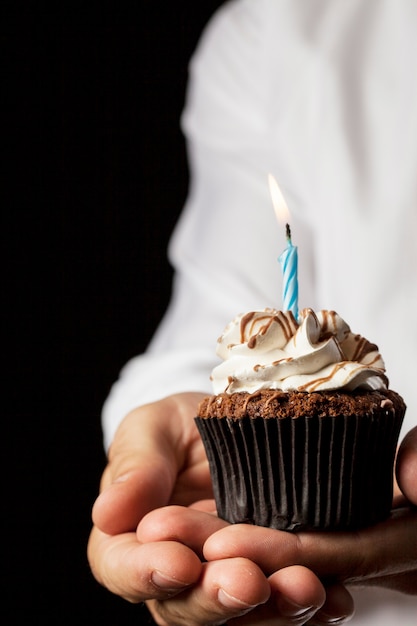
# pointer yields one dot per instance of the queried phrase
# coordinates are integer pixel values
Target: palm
(193, 481)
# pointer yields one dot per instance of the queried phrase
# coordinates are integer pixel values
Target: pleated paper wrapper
(304, 473)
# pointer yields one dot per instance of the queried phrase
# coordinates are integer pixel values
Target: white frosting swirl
(270, 350)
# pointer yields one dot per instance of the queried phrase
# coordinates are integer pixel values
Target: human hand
(157, 458)
(158, 454)
(235, 588)
(381, 555)
(384, 555)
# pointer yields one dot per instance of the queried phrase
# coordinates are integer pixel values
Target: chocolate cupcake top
(269, 349)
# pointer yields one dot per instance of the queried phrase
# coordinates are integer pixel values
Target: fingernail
(230, 602)
(166, 582)
(287, 608)
(116, 481)
(121, 479)
(331, 619)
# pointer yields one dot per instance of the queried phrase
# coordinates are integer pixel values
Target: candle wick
(288, 232)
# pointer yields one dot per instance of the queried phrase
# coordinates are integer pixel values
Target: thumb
(140, 473)
(406, 466)
(144, 486)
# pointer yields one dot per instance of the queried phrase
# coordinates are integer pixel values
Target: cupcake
(302, 429)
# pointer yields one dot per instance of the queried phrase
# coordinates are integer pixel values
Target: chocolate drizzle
(248, 323)
(270, 349)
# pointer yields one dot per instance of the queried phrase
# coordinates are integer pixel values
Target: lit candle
(289, 257)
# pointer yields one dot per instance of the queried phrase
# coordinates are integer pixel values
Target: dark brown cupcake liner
(303, 473)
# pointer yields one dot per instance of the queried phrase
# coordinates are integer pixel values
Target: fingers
(226, 589)
(156, 456)
(132, 495)
(406, 466)
(338, 607)
(270, 549)
(138, 572)
(296, 593)
(188, 526)
(236, 592)
(300, 597)
(181, 590)
(373, 554)
(209, 506)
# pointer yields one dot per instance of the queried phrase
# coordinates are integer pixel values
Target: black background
(94, 178)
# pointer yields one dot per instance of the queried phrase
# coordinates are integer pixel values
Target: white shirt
(323, 95)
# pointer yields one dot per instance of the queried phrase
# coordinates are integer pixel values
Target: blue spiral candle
(289, 265)
(289, 257)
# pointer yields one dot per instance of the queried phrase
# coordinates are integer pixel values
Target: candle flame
(280, 206)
